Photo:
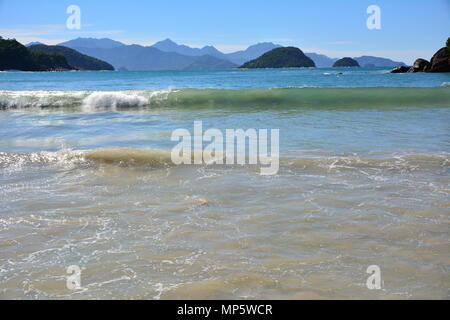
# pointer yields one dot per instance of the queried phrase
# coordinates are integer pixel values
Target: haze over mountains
(323, 61)
(168, 55)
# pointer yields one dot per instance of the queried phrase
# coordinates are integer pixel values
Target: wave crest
(294, 98)
(112, 100)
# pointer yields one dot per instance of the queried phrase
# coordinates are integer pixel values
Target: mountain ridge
(103, 43)
(140, 58)
(168, 45)
(186, 54)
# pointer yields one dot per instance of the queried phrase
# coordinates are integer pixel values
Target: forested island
(285, 57)
(346, 62)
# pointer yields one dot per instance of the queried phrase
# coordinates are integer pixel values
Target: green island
(285, 57)
(346, 62)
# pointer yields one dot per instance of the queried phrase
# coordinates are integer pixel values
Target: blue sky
(410, 28)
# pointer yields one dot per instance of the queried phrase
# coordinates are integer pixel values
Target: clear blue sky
(410, 28)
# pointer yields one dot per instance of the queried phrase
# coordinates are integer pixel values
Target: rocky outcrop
(420, 65)
(401, 69)
(440, 61)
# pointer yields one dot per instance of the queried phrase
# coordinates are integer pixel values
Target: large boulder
(420, 65)
(400, 69)
(440, 61)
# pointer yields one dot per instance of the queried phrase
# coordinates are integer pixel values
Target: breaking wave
(314, 98)
(112, 100)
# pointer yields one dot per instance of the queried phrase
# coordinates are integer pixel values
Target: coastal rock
(440, 61)
(420, 65)
(346, 62)
(400, 69)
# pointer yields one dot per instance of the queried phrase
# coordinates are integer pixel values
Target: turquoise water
(227, 79)
(86, 180)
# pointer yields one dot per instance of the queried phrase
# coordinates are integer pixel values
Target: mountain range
(168, 55)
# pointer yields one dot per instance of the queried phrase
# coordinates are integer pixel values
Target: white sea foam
(90, 101)
(112, 100)
(38, 99)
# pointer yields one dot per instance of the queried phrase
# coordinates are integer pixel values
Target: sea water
(87, 180)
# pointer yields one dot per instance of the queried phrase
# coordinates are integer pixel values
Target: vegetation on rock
(448, 46)
(286, 57)
(346, 62)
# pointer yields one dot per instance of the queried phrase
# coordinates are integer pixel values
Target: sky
(409, 28)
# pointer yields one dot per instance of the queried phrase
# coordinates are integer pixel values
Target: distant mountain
(92, 43)
(73, 57)
(98, 48)
(170, 46)
(15, 56)
(286, 57)
(238, 57)
(346, 62)
(33, 43)
(136, 57)
(252, 52)
(321, 60)
(208, 62)
(378, 62)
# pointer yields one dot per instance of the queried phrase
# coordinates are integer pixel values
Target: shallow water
(86, 179)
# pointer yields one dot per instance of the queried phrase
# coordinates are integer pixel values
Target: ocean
(87, 181)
